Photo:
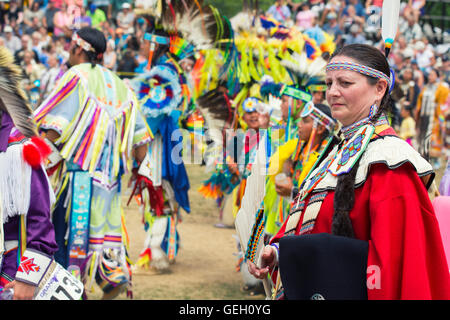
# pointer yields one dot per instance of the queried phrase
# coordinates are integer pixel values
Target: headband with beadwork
(365, 70)
(82, 43)
(156, 39)
(318, 115)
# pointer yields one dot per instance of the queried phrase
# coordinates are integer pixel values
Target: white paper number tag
(59, 284)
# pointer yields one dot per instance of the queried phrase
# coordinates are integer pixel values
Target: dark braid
(344, 196)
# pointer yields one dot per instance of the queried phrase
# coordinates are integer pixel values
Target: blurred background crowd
(39, 32)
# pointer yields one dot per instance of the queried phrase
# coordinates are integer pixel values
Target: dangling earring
(373, 110)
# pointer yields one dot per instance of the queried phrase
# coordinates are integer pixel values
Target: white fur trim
(157, 231)
(389, 150)
(15, 182)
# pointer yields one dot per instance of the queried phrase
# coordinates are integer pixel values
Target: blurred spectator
(428, 115)
(294, 5)
(332, 6)
(374, 6)
(359, 8)
(110, 56)
(446, 69)
(3, 11)
(63, 22)
(355, 35)
(45, 37)
(82, 19)
(418, 8)
(32, 15)
(120, 40)
(349, 18)
(127, 63)
(142, 60)
(423, 55)
(305, 17)
(32, 73)
(48, 80)
(49, 15)
(408, 126)
(419, 77)
(97, 15)
(279, 11)
(12, 42)
(37, 45)
(409, 88)
(332, 27)
(14, 16)
(409, 28)
(125, 18)
(105, 6)
(25, 45)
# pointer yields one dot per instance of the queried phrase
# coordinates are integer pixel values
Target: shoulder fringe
(15, 182)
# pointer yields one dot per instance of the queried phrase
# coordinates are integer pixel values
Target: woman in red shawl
(371, 187)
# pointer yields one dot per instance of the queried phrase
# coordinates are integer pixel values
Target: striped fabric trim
(111, 238)
(63, 93)
(96, 241)
(365, 70)
(307, 226)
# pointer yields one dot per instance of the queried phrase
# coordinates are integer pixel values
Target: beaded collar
(350, 130)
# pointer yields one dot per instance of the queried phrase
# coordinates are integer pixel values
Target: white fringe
(158, 229)
(15, 182)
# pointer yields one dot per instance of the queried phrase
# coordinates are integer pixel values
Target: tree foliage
(230, 8)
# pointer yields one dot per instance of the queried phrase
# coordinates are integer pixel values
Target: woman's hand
(22, 290)
(268, 261)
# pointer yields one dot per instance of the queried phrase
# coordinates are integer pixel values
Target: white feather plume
(389, 19)
(305, 71)
(254, 193)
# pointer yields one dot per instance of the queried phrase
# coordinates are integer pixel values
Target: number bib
(59, 284)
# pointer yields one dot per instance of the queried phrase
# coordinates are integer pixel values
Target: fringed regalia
(26, 195)
(97, 117)
(160, 95)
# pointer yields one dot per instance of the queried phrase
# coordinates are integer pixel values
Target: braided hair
(344, 197)
(97, 40)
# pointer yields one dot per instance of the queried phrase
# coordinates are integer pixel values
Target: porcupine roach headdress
(205, 28)
(13, 101)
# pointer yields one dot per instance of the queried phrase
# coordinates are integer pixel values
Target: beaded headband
(318, 116)
(82, 43)
(157, 39)
(365, 70)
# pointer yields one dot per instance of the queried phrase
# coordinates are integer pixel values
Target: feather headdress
(303, 71)
(218, 113)
(202, 26)
(13, 99)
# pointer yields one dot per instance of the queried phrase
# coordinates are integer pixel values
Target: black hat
(323, 267)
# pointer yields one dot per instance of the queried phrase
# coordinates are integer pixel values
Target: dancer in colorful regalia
(180, 27)
(315, 137)
(26, 230)
(91, 120)
(308, 82)
(164, 186)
